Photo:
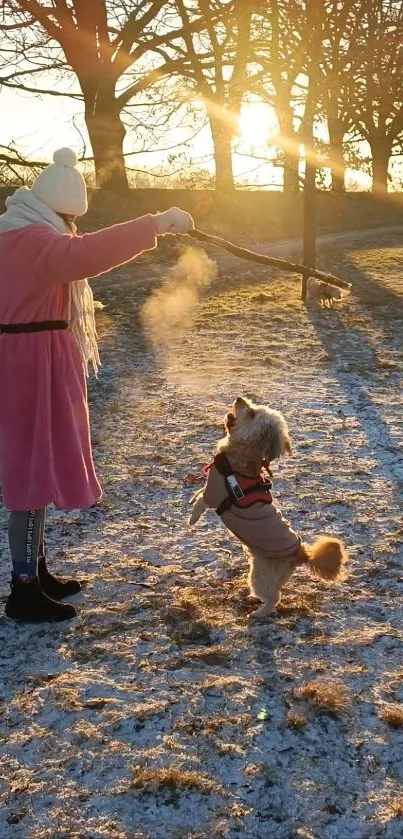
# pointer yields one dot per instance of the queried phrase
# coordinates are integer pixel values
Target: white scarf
(24, 208)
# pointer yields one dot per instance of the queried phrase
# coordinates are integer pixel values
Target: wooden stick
(274, 262)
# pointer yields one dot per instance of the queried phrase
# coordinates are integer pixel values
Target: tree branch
(38, 12)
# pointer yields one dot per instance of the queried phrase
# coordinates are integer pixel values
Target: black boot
(55, 586)
(29, 604)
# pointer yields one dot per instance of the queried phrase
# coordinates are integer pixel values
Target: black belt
(35, 326)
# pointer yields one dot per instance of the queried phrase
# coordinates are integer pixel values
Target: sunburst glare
(257, 124)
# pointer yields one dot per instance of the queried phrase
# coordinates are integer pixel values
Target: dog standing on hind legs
(239, 490)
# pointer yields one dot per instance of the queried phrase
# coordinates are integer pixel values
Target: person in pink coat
(47, 340)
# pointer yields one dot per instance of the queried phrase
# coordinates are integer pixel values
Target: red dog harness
(242, 491)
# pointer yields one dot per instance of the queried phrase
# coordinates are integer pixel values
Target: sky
(38, 125)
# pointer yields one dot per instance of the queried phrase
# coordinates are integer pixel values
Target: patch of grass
(236, 685)
(138, 713)
(391, 810)
(85, 730)
(296, 720)
(184, 610)
(104, 827)
(228, 749)
(386, 363)
(193, 725)
(141, 711)
(261, 297)
(174, 779)
(184, 628)
(325, 695)
(396, 808)
(194, 613)
(66, 697)
(393, 716)
(104, 630)
(295, 605)
(216, 655)
(237, 811)
(251, 769)
(89, 653)
(215, 606)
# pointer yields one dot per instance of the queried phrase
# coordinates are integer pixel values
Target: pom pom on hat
(61, 186)
(65, 157)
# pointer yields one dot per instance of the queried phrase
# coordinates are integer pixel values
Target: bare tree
(15, 169)
(282, 54)
(361, 80)
(112, 48)
(342, 24)
(378, 83)
(362, 87)
(158, 55)
(220, 68)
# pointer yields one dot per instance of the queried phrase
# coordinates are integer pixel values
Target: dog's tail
(326, 558)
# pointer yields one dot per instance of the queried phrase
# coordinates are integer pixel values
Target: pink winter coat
(45, 447)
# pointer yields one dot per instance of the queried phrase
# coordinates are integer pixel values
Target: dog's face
(258, 428)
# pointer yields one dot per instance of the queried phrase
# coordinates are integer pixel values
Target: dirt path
(160, 714)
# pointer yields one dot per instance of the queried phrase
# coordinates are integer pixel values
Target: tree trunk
(336, 130)
(309, 212)
(381, 151)
(311, 162)
(106, 132)
(222, 135)
(290, 167)
(336, 160)
(289, 145)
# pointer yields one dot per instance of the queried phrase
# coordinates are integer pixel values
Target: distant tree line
(130, 62)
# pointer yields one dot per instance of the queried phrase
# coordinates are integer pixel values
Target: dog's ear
(241, 403)
(287, 446)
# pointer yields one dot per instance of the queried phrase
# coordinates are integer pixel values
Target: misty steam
(171, 308)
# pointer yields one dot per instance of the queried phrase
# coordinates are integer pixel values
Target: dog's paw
(198, 510)
(251, 600)
(250, 605)
(262, 613)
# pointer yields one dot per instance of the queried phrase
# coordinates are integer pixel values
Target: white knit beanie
(61, 186)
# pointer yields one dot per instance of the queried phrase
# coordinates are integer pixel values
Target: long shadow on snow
(356, 363)
(362, 372)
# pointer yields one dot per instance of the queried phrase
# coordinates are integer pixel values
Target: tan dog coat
(260, 527)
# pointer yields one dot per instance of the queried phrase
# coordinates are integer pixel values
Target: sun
(257, 124)
(358, 181)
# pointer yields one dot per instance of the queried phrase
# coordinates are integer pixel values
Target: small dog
(239, 490)
(323, 294)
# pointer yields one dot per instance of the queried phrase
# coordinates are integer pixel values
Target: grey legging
(25, 536)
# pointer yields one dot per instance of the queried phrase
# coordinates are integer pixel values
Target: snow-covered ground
(160, 713)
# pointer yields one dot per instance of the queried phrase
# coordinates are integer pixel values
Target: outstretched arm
(61, 258)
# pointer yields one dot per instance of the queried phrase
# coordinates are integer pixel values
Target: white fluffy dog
(238, 489)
